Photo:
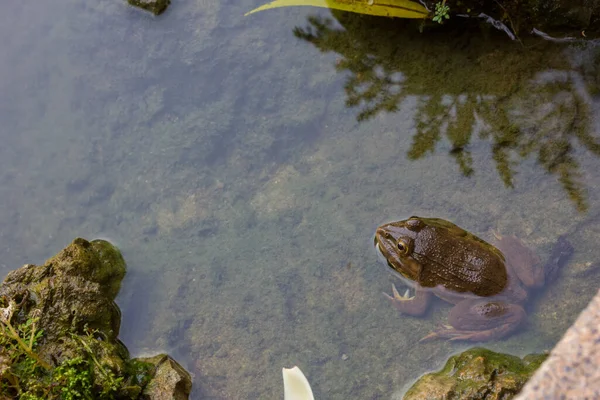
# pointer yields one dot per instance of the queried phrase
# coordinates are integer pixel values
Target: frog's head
(395, 242)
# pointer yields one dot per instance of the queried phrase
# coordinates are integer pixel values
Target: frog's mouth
(381, 256)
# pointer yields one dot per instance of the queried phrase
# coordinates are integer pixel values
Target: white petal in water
(295, 385)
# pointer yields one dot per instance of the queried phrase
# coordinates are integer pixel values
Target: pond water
(242, 165)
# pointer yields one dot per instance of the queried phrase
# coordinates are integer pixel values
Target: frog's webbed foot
(479, 320)
(412, 305)
(559, 256)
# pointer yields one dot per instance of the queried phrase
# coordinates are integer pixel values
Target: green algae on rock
(156, 7)
(73, 289)
(477, 373)
(59, 326)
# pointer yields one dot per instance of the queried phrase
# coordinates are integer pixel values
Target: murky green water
(242, 165)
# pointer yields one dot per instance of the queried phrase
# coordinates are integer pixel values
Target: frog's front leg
(480, 320)
(415, 305)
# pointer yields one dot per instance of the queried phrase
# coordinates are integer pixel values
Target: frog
(488, 284)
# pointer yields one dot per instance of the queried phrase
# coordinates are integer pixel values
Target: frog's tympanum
(488, 285)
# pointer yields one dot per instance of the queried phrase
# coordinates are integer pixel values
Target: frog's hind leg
(521, 260)
(479, 320)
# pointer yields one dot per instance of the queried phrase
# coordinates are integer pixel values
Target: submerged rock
(476, 374)
(171, 381)
(156, 7)
(59, 326)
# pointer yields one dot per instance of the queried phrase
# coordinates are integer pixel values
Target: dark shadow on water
(524, 100)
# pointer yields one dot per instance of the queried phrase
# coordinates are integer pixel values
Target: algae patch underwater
(383, 8)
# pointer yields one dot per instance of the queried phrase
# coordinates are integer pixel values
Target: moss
(476, 374)
(75, 288)
(110, 267)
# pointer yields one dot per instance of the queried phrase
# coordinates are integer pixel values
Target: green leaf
(384, 8)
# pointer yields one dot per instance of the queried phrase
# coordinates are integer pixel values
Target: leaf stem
(14, 335)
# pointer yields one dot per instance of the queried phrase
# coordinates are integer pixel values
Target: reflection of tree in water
(469, 85)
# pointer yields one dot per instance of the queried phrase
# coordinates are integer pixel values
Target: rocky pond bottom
(59, 328)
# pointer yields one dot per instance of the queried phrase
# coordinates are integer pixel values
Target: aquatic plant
(74, 379)
(441, 12)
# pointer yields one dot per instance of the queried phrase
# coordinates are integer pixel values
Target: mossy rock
(156, 7)
(479, 374)
(72, 290)
(59, 326)
(170, 381)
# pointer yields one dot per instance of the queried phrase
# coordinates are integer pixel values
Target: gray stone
(170, 382)
(572, 371)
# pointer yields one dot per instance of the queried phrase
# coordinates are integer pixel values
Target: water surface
(242, 165)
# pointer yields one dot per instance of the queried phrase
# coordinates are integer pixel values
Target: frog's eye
(402, 246)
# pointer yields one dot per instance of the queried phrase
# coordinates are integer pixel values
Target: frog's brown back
(459, 261)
